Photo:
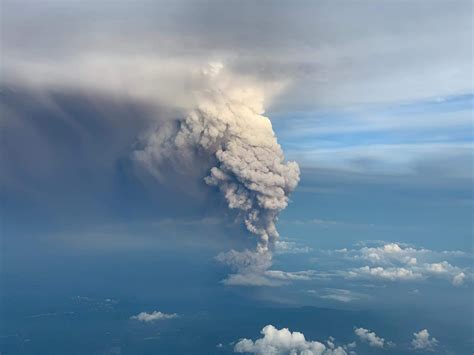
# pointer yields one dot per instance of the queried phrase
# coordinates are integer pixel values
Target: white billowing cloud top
(283, 341)
(370, 337)
(423, 341)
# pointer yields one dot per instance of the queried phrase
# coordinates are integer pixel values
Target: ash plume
(228, 129)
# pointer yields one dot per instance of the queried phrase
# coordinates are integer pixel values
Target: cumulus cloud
(458, 280)
(369, 337)
(389, 253)
(276, 341)
(396, 262)
(438, 268)
(282, 341)
(423, 341)
(392, 274)
(154, 316)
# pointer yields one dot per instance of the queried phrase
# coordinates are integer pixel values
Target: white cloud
(397, 262)
(270, 278)
(340, 295)
(286, 275)
(392, 274)
(458, 280)
(438, 268)
(154, 316)
(286, 247)
(370, 337)
(283, 341)
(248, 279)
(423, 341)
(389, 253)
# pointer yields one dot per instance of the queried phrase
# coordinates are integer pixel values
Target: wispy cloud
(339, 295)
(288, 247)
(153, 316)
(392, 159)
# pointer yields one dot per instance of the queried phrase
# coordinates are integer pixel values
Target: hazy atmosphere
(221, 177)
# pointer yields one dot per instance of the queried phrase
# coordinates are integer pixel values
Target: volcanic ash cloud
(248, 165)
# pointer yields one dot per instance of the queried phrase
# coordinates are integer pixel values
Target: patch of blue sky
(399, 136)
(452, 103)
(451, 113)
(422, 136)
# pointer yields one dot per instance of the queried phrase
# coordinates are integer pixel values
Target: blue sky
(103, 255)
(389, 138)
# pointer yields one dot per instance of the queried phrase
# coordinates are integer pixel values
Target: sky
(208, 177)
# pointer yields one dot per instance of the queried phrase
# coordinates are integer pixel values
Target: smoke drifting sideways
(228, 131)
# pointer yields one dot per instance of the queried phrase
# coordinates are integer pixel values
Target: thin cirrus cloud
(391, 159)
(410, 139)
(339, 295)
(414, 118)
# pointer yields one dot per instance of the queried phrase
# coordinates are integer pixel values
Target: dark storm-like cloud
(65, 158)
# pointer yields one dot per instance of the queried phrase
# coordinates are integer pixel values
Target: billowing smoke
(227, 127)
